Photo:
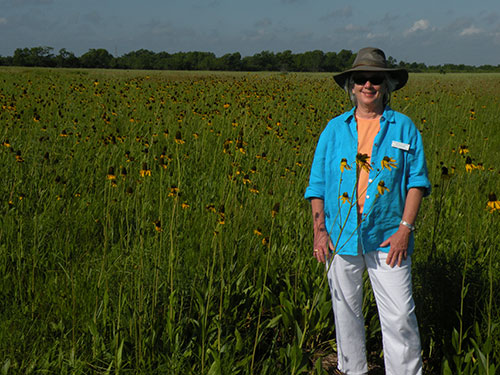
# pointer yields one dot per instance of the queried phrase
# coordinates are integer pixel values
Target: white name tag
(401, 145)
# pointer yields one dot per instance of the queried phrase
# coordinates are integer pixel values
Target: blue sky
(428, 31)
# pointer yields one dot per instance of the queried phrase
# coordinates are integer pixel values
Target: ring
(316, 250)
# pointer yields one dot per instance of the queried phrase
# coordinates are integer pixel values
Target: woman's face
(368, 89)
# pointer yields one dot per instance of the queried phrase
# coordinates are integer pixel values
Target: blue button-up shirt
(399, 140)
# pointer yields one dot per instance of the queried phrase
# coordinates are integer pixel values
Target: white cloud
(354, 28)
(419, 25)
(472, 30)
(376, 35)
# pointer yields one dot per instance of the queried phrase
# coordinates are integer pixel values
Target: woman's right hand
(323, 246)
(322, 243)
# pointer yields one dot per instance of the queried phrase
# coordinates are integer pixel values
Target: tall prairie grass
(154, 222)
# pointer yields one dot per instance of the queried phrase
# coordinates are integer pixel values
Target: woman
(367, 181)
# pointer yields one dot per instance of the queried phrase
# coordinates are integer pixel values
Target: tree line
(286, 61)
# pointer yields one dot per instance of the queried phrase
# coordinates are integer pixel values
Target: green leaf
(215, 368)
(446, 368)
(487, 347)
(274, 321)
(6, 366)
(299, 332)
(239, 341)
(93, 329)
(454, 339)
(119, 355)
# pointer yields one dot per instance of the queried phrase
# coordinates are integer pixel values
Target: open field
(154, 223)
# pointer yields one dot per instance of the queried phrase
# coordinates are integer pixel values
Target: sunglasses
(374, 79)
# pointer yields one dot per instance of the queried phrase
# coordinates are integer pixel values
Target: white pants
(393, 294)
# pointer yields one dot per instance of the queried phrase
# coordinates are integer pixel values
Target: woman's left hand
(398, 243)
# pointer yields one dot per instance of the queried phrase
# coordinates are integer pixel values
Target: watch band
(408, 225)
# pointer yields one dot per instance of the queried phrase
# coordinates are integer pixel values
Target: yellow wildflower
(162, 163)
(382, 188)
(469, 167)
(222, 218)
(19, 158)
(145, 171)
(157, 225)
(493, 203)
(178, 138)
(174, 191)
(344, 165)
(463, 149)
(362, 162)
(388, 163)
(275, 210)
(345, 198)
(111, 174)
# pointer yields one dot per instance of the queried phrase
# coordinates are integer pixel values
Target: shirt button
(370, 180)
(367, 197)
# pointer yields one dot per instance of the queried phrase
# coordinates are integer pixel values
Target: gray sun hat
(371, 59)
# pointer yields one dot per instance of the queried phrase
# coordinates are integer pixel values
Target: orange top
(367, 130)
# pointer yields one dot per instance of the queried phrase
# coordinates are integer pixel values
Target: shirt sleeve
(316, 188)
(418, 174)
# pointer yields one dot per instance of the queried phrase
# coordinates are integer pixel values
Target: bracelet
(407, 225)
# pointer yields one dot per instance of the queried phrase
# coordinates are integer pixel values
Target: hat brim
(400, 75)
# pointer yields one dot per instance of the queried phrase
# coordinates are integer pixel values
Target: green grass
(195, 268)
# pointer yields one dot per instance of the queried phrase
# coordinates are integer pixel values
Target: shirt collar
(387, 115)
